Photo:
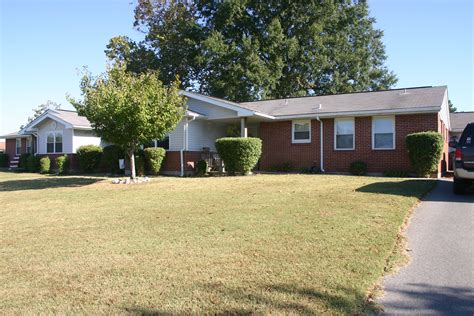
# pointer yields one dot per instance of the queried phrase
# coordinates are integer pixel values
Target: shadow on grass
(46, 183)
(278, 298)
(408, 188)
(417, 188)
(443, 300)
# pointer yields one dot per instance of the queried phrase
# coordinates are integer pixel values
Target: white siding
(211, 111)
(176, 137)
(203, 133)
(82, 137)
(53, 126)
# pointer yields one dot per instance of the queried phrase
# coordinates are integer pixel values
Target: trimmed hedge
(358, 168)
(239, 154)
(23, 161)
(44, 165)
(62, 163)
(110, 158)
(425, 149)
(89, 157)
(4, 160)
(33, 163)
(153, 159)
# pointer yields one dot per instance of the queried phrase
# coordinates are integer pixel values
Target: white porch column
(243, 127)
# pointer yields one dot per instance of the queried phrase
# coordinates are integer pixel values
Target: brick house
(328, 132)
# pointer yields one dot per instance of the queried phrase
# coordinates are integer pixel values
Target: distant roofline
(345, 93)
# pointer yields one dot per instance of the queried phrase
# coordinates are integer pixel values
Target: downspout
(321, 158)
(185, 143)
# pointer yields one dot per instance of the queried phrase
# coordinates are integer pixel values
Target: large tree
(40, 109)
(257, 49)
(130, 109)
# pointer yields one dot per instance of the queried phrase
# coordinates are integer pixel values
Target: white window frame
(335, 132)
(300, 141)
(17, 152)
(391, 117)
(54, 142)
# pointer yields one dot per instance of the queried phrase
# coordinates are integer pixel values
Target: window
(54, 143)
(301, 131)
(344, 134)
(29, 142)
(383, 132)
(58, 146)
(18, 146)
(50, 143)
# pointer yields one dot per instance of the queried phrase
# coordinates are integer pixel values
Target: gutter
(321, 158)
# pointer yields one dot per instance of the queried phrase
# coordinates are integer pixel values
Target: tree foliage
(40, 109)
(452, 108)
(130, 109)
(255, 49)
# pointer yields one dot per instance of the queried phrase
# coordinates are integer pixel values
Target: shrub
(283, 167)
(62, 164)
(311, 170)
(44, 164)
(425, 149)
(239, 154)
(110, 158)
(201, 167)
(33, 163)
(153, 159)
(139, 165)
(23, 161)
(395, 173)
(4, 160)
(89, 157)
(358, 168)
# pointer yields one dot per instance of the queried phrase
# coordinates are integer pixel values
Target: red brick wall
(278, 149)
(172, 160)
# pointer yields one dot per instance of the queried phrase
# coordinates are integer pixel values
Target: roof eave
(433, 109)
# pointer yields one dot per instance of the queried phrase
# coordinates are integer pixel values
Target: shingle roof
(396, 99)
(71, 117)
(459, 120)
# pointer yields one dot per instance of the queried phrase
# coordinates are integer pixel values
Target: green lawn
(259, 244)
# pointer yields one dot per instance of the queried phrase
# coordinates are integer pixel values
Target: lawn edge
(398, 258)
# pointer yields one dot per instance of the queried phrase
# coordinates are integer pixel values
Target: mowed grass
(260, 244)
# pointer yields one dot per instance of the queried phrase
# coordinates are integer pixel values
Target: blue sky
(44, 43)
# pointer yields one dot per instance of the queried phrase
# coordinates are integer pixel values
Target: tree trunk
(131, 154)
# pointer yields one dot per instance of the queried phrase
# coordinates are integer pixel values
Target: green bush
(395, 173)
(45, 165)
(110, 158)
(239, 154)
(89, 157)
(154, 158)
(425, 149)
(282, 167)
(4, 160)
(33, 163)
(62, 163)
(358, 168)
(23, 161)
(201, 167)
(139, 165)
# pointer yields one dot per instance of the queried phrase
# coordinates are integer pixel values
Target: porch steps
(14, 162)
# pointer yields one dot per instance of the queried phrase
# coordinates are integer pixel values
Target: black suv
(464, 160)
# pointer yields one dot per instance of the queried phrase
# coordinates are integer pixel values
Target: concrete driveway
(440, 277)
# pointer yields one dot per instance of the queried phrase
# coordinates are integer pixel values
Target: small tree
(130, 109)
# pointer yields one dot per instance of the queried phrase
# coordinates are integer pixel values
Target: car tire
(459, 186)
